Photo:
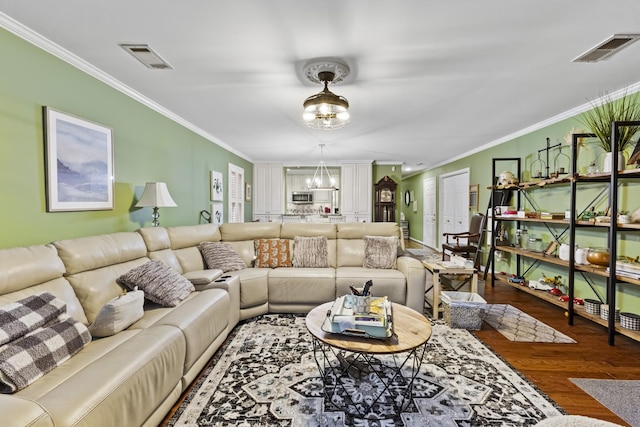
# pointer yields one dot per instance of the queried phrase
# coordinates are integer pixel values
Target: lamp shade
(155, 194)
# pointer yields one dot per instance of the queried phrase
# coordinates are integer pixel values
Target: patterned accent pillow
(222, 256)
(380, 251)
(161, 284)
(272, 253)
(118, 314)
(310, 252)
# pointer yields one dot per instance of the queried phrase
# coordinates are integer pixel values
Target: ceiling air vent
(607, 48)
(147, 56)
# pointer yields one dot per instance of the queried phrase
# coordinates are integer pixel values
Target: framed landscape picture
(79, 163)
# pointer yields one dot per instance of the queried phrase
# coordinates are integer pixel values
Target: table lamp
(155, 195)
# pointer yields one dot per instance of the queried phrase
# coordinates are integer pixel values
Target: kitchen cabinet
(268, 192)
(356, 191)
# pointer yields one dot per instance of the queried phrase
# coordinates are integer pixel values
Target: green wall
(147, 147)
(551, 198)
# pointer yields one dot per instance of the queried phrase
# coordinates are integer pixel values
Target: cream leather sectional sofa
(134, 377)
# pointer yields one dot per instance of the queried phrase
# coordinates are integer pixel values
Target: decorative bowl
(598, 256)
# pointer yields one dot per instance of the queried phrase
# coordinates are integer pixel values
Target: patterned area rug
(266, 375)
(519, 326)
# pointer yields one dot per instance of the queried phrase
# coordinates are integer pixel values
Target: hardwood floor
(549, 366)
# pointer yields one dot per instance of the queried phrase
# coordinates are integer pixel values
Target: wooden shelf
(577, 309)
(597, 177)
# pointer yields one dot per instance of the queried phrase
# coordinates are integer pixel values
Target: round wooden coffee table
(343, 359)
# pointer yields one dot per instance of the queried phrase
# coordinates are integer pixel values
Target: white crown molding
(58, 51)
(548, 122)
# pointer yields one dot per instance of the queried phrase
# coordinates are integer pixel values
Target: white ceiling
(431, 80)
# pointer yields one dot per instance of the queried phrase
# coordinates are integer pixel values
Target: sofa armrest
(17, 411)
(414, 272)
(203, 277)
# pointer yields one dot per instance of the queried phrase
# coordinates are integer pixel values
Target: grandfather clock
(385, 206)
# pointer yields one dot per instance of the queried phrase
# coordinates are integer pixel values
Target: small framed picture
(217, 190)
(247, 192)
(473, 197)
(79, 163)
(217, 213)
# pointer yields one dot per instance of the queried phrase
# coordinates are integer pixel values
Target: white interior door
(454, 202)
(429, 213)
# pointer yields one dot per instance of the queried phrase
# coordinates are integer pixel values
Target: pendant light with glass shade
(322, 179)
(326, 110)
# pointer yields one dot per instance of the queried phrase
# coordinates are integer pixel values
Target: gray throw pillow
(160, 283)
(380, 251)
(310, 252)
(221, 256)
(118, 314)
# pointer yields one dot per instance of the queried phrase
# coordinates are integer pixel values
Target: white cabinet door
(356, 189)
(268, 192)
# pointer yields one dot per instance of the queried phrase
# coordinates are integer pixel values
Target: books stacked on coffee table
(355, 315)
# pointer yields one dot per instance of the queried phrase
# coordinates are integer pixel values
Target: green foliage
(598, 120)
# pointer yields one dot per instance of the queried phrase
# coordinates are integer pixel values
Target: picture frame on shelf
(78, 163)
(216, 186)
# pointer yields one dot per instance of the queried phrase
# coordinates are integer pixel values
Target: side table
(437, 268)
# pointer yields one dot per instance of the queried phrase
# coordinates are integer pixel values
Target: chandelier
(326, 110)
(318, 182)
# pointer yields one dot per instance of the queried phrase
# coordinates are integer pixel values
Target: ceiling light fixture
(326, 110)
(318, 182)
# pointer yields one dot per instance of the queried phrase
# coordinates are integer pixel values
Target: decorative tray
(376, 323)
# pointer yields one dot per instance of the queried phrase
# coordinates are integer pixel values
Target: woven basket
(630, 321)
(604, 312)
(592, 306)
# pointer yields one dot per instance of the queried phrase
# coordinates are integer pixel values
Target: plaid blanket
(26, 359)
(21, 317)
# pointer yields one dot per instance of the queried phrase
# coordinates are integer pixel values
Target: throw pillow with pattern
(222, 256)
(272, 253)
(160, 283)
(310, 252)
(380, 251)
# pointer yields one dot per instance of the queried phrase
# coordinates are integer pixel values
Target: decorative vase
(608, 160)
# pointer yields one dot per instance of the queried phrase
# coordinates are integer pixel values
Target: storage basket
(463, 310)
(630, 321)
(592, 306)
(604, 312)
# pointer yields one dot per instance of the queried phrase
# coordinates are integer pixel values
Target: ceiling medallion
(326, 110)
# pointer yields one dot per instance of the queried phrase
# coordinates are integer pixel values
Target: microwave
(301, 197)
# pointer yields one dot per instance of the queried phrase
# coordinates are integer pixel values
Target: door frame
(441, 198)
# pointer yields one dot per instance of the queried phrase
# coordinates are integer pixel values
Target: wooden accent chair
(471, 241)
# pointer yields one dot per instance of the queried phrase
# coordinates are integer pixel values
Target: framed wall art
(217, 213)
(473, 197)
(79, 163)
(247, 192)
(217, 190)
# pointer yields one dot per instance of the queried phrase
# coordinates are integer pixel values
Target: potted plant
(598, 121)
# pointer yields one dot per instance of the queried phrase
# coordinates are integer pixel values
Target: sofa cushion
(118, 314)
(160, 283)
(221, 256)
(310, 252)
(272, 253)
(380, 251)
